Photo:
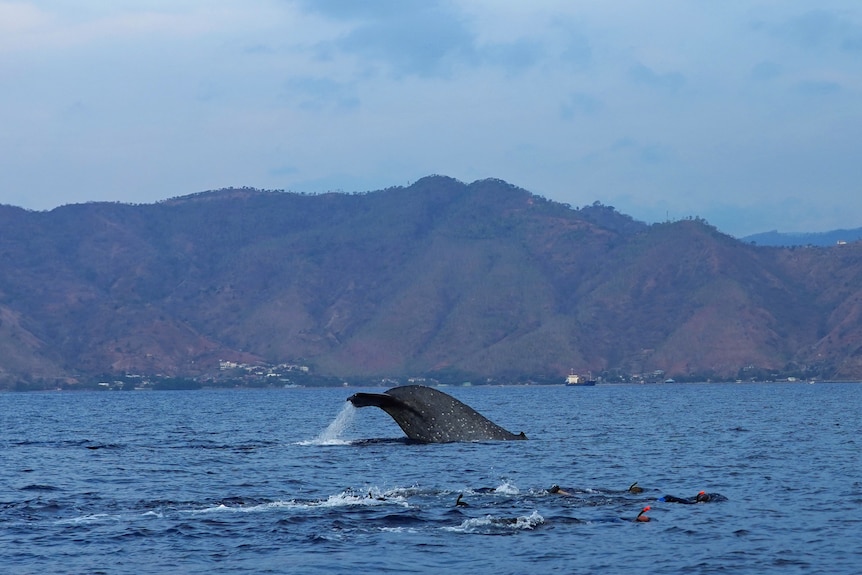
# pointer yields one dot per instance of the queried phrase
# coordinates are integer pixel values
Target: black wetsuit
(699, 498)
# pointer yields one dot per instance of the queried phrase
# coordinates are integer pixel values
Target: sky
(745, 113)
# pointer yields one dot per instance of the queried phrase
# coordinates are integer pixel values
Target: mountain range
(439, 279)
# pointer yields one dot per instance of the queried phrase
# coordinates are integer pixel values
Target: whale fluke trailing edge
(431, 416)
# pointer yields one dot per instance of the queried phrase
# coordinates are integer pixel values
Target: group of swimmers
(701, 497)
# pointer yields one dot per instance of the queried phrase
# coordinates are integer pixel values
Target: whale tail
(380, 400)
(431, 416)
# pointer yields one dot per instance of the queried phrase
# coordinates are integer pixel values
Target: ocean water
(299, 481)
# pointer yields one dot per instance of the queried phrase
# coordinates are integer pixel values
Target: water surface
(298, 481)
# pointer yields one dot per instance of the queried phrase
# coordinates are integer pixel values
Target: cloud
(315, 93)
(764, 71)
(425, 38)
(353, 10)
(26, 27)
(670, 81)
(629, 149)
(577, 52)
(818, 88)
(820, 30)
(813, 29)
(580, 103)
(514, 56)
(284, 171)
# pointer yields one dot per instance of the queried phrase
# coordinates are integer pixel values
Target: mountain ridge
(439, 277)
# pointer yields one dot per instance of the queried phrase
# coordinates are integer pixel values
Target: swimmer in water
(641, 517)
(557, 490)
(634, 488)
(701, 497)
(460, 503)
(675, 499)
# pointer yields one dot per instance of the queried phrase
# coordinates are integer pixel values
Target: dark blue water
(254, 482)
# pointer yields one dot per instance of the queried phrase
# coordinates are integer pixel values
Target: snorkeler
(701, 497)
(634, 488)
(460, 503)
(641, 517)
(557, 490)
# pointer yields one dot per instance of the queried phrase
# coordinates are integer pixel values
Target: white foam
(373, 497)
(530, 522)
(482, 524)
(84, 519)
(398, 530)
(507, 488)
(346, 499)
(222, 508)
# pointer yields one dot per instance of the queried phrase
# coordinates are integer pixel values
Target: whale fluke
(431, 416)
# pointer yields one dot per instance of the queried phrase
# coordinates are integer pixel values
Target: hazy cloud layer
(747, 114)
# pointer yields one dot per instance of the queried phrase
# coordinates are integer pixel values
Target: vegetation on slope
(442, 277)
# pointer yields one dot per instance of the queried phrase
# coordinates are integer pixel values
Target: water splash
(373, 496)
(491, 525)
(331, 435)
(507, 488)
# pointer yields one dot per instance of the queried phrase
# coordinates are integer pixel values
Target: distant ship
(573, 379)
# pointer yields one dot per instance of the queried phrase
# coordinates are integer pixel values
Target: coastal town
(231, 374)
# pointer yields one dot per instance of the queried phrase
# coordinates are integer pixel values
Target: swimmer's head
(641, 517)
(702, 497)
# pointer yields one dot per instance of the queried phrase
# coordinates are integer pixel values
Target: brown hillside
(439, 277)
